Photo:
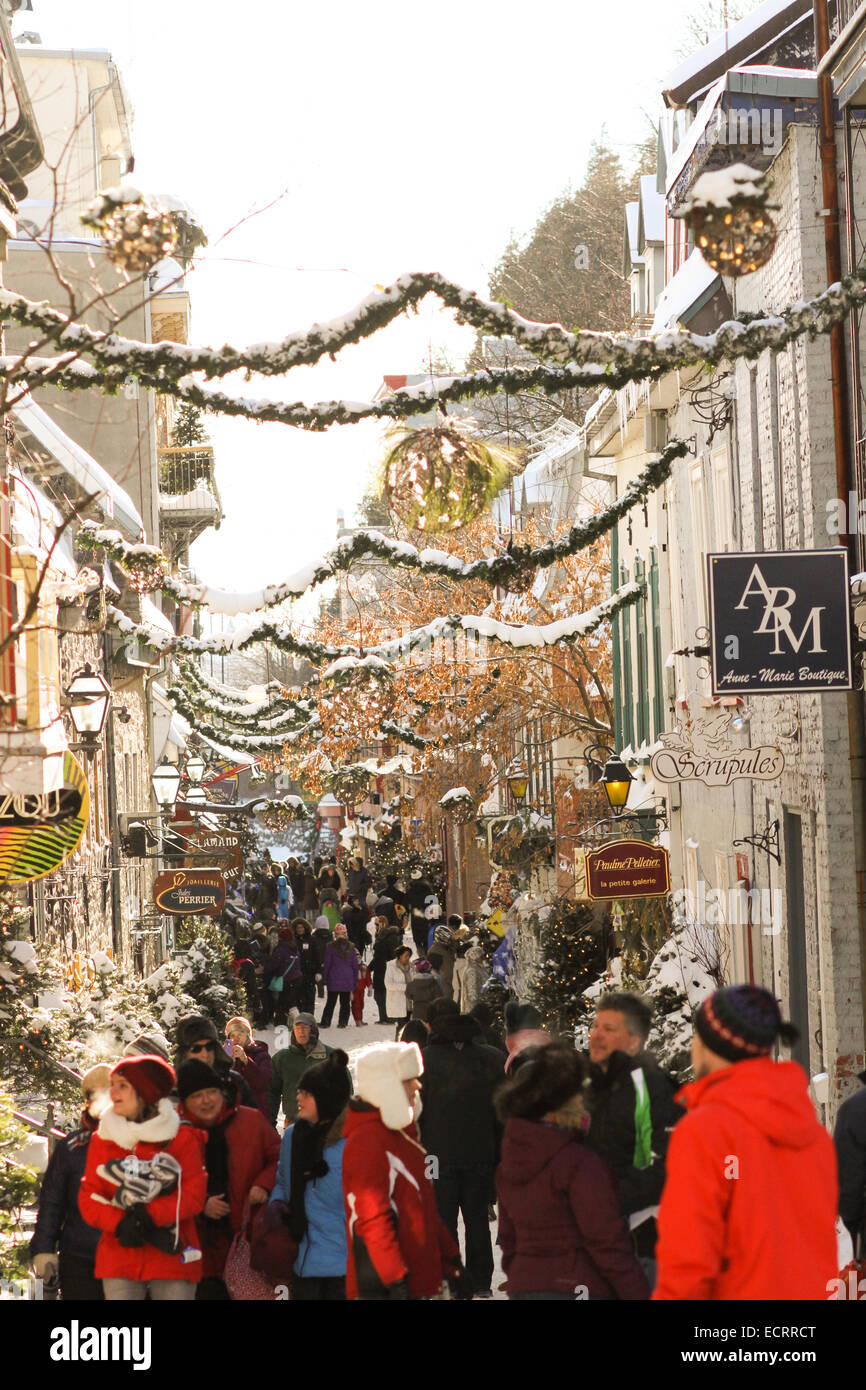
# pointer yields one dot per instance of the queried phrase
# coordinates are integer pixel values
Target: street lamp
(195, 796)
(617, 782)
(518, 781)
(195, 769)
(165, 781)
(88, 696)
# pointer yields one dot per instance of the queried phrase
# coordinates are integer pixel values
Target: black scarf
(308, 1162)
(216, 1161)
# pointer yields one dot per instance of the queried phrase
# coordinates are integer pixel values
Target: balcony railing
(187, 484)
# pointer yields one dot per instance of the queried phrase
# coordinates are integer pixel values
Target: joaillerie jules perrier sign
(780, 621)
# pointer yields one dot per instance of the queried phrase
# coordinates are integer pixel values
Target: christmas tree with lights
(570, 955)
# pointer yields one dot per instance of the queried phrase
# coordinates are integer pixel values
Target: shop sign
(779, 621)
(698, 754)
(40, 830)
(222, 846)
(628, 869)
(186, 892)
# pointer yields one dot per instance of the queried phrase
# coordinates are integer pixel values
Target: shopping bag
(272, 1250)
(243, 1282)
(276, 985)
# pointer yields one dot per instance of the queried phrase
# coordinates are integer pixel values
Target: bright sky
(400, 137)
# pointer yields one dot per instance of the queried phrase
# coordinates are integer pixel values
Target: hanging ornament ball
(728, 214)
(438, 480)
(144, 574)
(350, 783)
(138, 235)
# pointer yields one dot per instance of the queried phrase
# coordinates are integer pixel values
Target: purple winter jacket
(560, 1223)
(340, 967)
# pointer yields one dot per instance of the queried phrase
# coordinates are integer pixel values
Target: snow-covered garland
(196, 676)
(401, 555)
(262, 715)
(570, 629)
(166, 366)
(254, 736)
(193, 709)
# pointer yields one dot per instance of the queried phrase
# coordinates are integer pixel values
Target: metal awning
(112, 500)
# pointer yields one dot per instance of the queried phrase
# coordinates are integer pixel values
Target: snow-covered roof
(759, 80)
(652, 210)
(111, 498)
(631, 218)
(743, 41)
(691, 287)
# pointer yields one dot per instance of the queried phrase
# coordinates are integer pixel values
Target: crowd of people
(227, 1173)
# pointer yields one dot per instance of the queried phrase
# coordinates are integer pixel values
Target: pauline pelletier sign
(780, 621)
(627, 869)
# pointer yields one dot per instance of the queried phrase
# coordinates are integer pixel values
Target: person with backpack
(386, 942)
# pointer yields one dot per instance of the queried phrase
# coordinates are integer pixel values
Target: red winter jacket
(393, 1226)
(253, 1152)
(749, 1205)
(560, 1224)
(118, 1138)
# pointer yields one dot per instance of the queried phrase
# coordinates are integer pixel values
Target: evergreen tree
(570, 957)
(19, 1185)
(188, 429)
(206, 975)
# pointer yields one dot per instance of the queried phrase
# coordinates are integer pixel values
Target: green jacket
(289, 1065)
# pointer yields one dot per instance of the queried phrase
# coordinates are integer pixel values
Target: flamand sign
(186, 892)
(223, 846)
(628, 869)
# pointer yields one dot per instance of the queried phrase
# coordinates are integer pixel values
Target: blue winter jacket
(322, 1252)
(59, 1224)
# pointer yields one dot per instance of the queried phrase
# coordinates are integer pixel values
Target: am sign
(780, 621)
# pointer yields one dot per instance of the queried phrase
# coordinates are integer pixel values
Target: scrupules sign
(628, 869)
(764, 764)
(186, 892)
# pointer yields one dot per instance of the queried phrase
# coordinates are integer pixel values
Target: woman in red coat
(560, 1226)
(241, 1160)
(144, 1184)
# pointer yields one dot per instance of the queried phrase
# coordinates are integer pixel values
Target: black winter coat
(850, 1139)
(384, 949)
(458, 1122)
(421, 992)
(60, 1225)
(612, 1103)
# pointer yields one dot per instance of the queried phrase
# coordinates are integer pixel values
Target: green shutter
(656, 628)
(617, 645)
(642, 730)
(627, 700)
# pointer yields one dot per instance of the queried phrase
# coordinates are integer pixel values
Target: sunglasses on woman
(202, 1047)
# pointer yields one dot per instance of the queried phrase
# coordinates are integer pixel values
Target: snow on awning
(688, 291)
(111, 498)
(35, 523)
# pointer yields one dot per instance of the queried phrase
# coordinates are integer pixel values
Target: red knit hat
(151, 1077)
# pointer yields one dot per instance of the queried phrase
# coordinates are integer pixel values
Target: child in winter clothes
(144, 1184)
(364, 986)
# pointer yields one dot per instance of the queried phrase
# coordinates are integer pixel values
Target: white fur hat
(381, 1071)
